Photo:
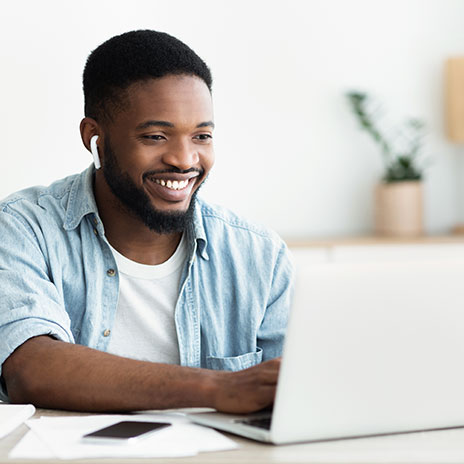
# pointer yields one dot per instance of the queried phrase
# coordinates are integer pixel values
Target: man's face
(158, 150)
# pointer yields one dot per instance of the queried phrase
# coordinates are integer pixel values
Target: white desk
(426, 447)
(250, 452)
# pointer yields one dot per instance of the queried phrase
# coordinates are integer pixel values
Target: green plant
(400, 159)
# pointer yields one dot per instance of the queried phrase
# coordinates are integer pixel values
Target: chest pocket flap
(235, 363)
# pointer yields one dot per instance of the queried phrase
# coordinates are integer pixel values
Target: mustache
(173, 171)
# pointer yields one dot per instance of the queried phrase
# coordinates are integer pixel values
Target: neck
(128, 234)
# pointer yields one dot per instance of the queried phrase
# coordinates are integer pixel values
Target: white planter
(399, 209)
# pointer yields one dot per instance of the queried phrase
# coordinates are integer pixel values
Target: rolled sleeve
(30, 303)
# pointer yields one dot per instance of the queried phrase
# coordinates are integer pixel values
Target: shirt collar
(198, 230)
(81, 199)
(82, 202)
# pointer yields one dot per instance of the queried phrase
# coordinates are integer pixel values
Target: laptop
(370, 349)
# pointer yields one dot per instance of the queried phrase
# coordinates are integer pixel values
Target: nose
(182, 154)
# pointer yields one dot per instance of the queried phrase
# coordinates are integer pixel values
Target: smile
(172, 184)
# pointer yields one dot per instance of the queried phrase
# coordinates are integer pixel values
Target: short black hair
(131, 57)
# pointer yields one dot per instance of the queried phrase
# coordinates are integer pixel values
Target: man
(120, 290)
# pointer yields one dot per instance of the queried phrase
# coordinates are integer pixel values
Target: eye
(155, 137)
(203, 137)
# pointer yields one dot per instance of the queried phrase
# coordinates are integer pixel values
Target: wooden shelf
(373, 240)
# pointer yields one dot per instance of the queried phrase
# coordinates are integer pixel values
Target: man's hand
(54, 374)
(249, 390)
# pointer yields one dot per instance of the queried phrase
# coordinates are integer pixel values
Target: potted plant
(399, 195)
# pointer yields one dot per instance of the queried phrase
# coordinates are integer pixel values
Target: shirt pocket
(235, 363)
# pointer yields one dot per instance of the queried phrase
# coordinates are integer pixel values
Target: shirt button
(95, 221)
(106, 332)
(95, 231)
(111, 272)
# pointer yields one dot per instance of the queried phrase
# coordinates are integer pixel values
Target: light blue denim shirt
(58, 276)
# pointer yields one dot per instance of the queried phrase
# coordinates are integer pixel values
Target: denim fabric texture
(58, 277)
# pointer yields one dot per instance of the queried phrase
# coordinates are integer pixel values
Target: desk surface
(249, 452)
(443, 446)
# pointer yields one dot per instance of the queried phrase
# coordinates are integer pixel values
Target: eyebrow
(153, 123)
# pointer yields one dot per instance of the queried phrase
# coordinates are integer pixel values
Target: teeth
(172, 184)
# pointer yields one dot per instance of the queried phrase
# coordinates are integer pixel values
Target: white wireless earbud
(94, 151)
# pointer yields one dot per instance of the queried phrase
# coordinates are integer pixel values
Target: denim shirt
(58, 277)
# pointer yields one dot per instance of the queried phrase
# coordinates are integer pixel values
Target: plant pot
(399, 209)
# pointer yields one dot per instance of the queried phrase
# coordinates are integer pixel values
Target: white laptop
(370, 349)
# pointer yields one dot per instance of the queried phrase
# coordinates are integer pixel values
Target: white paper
(61, 437)
(31, 447)
(13, 415)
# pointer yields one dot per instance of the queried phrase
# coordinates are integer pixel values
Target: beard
(137, 202)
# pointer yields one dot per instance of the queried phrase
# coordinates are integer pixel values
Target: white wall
(289, 153)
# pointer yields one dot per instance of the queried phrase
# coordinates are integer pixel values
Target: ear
(89, 127)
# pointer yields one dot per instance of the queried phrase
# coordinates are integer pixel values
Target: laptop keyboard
(262, 423)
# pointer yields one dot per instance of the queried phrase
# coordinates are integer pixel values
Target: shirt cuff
(18, 332)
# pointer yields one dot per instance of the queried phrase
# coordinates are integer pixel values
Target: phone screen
(126, 430)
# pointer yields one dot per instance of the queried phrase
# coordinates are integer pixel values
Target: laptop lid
(371, 349)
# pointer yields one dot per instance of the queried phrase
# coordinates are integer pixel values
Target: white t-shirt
(144, 325)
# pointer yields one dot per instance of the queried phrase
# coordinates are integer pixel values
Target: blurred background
(290, 154)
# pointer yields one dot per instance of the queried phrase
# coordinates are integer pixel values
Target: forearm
(53, 374)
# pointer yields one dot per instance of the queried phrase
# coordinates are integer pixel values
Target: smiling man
(120, 289)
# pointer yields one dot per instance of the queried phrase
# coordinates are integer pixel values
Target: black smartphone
(124, 432)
